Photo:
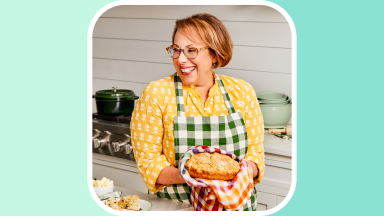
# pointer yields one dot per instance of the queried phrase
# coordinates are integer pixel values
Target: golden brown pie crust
(214, 166)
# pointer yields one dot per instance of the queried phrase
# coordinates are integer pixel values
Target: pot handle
(133, 97)
(93, 96)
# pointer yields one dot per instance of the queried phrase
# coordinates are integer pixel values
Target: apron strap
(227, 100)
(180, 96)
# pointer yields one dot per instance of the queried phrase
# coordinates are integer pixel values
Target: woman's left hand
(254, 168)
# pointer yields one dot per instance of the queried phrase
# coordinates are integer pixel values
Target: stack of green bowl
(276, 109)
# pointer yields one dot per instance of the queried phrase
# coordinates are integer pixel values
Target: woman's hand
(170, 175)
(254, 168)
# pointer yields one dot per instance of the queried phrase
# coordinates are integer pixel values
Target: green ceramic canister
(115, 101)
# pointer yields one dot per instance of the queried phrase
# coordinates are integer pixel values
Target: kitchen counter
(278, 152)
(277, 145)
(158, 204)
(272, 190)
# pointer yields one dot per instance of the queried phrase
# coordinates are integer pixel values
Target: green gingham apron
(223, 132)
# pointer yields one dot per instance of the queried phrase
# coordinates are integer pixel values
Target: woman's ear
(214, 60)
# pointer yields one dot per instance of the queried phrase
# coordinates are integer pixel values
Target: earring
(214, 64)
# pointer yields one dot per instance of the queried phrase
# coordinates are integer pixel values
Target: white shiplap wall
(129, 46)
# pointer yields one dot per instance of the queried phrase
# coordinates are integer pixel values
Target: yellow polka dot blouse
(152, 122)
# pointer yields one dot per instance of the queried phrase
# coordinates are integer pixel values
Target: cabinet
(265, 201)
(275, 185)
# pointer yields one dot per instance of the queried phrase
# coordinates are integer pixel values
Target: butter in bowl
(103, 186)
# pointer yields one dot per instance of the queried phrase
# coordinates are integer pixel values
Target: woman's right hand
(170, 175)
(254, 168)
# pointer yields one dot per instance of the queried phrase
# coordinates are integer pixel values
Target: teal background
(43, 77)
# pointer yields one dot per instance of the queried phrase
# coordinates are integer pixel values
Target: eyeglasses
(190, 52)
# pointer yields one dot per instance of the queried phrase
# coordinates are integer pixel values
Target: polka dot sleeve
(147, 137)
(255, 129)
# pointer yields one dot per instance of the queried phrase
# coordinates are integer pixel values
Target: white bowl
(103, 190)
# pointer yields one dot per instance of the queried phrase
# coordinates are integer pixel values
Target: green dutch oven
(115, 101)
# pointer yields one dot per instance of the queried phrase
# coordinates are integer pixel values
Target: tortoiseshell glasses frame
(189, 52)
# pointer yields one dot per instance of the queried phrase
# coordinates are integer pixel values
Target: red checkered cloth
(213, 195)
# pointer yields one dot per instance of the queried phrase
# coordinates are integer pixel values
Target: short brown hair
(211, 31)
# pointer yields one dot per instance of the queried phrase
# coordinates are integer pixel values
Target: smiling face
(197, 71)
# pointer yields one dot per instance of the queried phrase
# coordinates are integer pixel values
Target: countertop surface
(158, 204)
(272, 145)
(277, 145)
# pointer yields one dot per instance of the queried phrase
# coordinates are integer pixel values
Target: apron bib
(224, 132)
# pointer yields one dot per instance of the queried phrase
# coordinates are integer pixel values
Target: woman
(165, 121)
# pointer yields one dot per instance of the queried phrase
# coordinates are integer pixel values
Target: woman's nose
(182, 58)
